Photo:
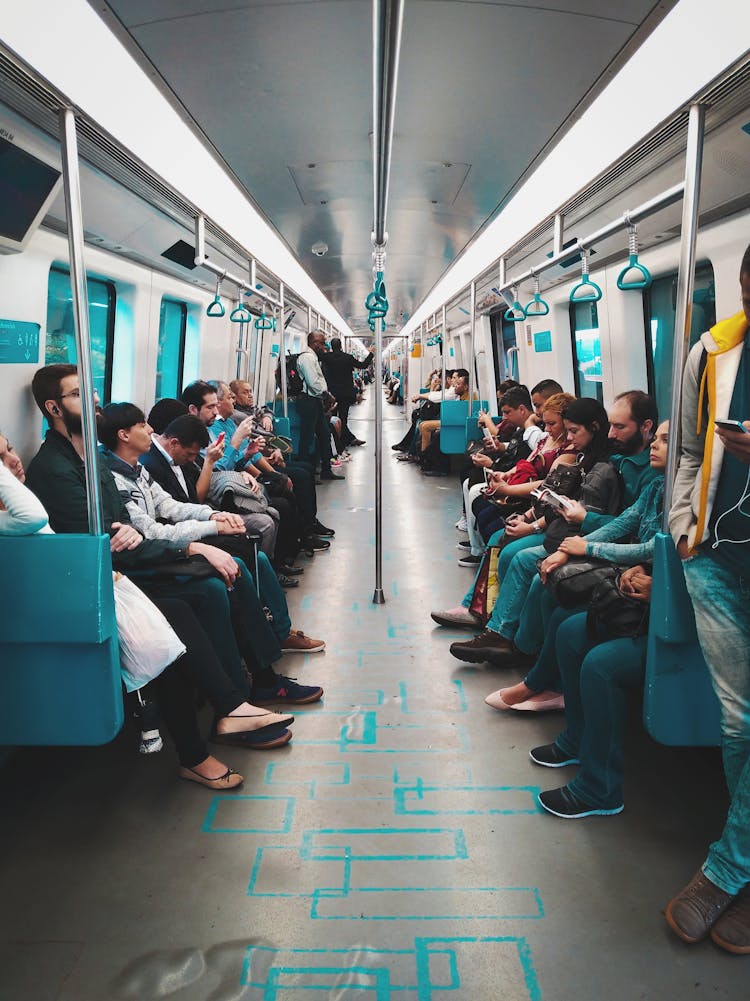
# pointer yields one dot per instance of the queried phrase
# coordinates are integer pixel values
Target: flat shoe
(495, 700)
(229, 780)
(257, 740)
(551, 702)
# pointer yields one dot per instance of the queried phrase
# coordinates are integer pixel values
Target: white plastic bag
(148, 643)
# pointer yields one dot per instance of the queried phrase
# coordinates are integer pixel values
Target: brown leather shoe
(695, 910)
(486, 646)
(732, 930)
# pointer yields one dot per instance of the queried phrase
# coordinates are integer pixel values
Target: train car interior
(203, 206)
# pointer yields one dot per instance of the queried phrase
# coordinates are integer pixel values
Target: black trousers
(343, 411)
(198, 668)
(314, 425)
(302, 476)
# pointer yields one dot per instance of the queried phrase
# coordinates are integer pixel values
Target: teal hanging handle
(537, 306)
(515, 313)
(376, 302)
(216, 308)
(240, 313)
(265, 322)
(634, 275)
(585, 290)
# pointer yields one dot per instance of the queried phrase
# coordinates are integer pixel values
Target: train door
(587, 350)
(170, 359)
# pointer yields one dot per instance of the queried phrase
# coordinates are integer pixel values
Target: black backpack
(294, 384)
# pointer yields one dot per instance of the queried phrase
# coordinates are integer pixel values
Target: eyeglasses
(75, 393)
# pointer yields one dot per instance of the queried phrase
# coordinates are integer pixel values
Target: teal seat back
(453, 414)
(281, 426)
(290, 422)
(680, 707)
(473, 430)
(59, 657)
(477, 405)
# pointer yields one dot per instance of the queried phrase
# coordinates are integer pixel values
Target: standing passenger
(712, 533)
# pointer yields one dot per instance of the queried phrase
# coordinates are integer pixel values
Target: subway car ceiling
(281, 94)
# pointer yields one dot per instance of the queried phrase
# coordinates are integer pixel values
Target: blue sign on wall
(543, 341)
(19, 342)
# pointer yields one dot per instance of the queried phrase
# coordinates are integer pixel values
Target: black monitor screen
(25, 183)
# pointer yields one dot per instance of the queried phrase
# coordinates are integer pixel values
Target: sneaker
(696, 909)
(470, 561)
(357, 442)
(321, 531)
(287, 582)
(460, 617)
(146, 715)
(551, 756)
(297, 642)
(315, 543)
(464, 544)
(151, 742)
(462, 524)
(564, 803)
(487, 646)
(732, 930)
(292, 570)
(286, 691)
(336, 463)
(331, 475)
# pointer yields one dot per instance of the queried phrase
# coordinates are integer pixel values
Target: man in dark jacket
(233, 622)
(338, 367)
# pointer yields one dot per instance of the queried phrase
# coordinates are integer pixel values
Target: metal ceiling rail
(649, 208)
(387, 19)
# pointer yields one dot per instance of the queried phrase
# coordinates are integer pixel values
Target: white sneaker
(461, 524)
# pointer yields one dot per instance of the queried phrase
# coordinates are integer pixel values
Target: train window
(61, 338)
(171, 357)
(661, 308)
(503, 338)
(587, 350)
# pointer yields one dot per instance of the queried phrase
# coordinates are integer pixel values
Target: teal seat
(477, 405)
(453, 414)
(473, 430)
(679, 704)
(59, 657)
(290, 422)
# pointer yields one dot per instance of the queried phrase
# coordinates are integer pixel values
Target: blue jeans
(722, 617)
(514, 591)
(505, 558)
(595, 674)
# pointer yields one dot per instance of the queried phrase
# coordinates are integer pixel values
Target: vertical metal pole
(72, 187)
(309, 319)
(444, 353)
(472, 329)
(559, 234)
(378, 597)
(240, 344)
(685, 282)
(282, 350)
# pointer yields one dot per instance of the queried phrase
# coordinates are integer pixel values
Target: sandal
(229, 780)
(274, 735)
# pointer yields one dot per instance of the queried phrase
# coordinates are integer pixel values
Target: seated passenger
(126, 436)
(290, 479)
(234, 620)
(460, 383)
(236, 720)
(525, 443)
(245, 405)
(587, 425)
(596, 674)
(614, 542)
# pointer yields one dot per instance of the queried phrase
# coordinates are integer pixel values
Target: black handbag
(614, 612)
(195, 567)
(573, 584)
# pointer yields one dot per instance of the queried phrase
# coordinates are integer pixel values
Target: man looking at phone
(710, 524)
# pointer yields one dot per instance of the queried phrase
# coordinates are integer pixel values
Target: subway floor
(392, 851)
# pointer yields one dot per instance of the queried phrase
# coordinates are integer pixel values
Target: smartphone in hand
(730, 425)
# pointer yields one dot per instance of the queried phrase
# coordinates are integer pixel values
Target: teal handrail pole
(72, 188)
(282, 352)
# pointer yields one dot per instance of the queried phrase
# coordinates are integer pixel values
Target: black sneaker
(470, 561)
(464, 544)
(564, 803)
(291, 570)
(315, 543)
(550, 756)
(320, 530)
(287, 692)
(287, 582)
